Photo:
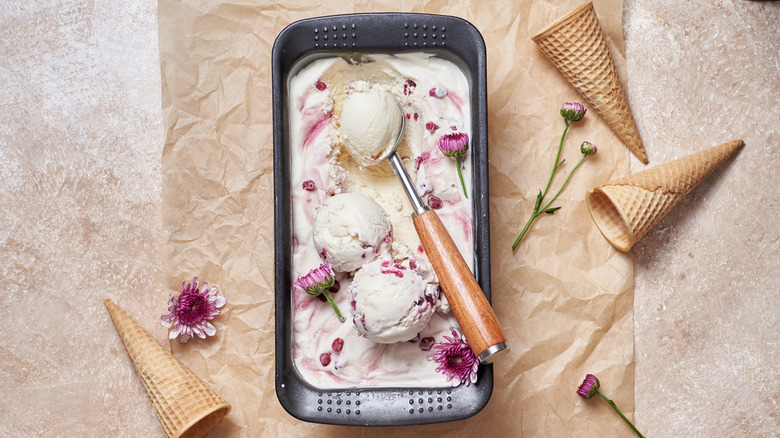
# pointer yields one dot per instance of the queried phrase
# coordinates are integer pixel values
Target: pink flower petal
(209, 329)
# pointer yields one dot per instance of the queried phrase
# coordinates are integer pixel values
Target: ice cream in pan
(344, 120)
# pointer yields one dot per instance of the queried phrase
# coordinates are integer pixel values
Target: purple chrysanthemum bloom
(454, 144)
(573, 112)
(189, 312)
(456, 359)
(589, 386)
(319, 281)
(588, 148)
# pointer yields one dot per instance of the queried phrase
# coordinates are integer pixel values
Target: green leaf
(538, 201)
(552, 210)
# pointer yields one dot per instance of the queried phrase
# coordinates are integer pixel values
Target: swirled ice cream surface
(384, 341)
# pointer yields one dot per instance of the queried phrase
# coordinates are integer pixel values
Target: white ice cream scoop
(469, 304)
(390, 301)
(370, 121)
(348, 230)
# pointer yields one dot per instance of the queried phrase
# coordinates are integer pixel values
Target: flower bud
(589, 386)
(454, 145)
(588, 148)
(317, 280)
(573, 112)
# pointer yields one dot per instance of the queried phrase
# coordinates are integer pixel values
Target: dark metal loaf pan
(450, 38)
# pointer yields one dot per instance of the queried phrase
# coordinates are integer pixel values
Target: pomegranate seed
(409, 87)
(337, 345)
(426, 343)
(325, 359)
(434, 202)
(320, 85)
(309, 185)
(416, 116)
(431, 127)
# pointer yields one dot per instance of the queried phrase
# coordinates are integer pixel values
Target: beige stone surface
(80, 143)
(706, 298)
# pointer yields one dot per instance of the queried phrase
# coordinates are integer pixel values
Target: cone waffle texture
(626, 209)
(185, 405)
(576, 46)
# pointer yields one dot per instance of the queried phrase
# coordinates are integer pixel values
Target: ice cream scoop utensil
(469, 304)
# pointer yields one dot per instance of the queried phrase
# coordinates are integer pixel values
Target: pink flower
(454, 144)
(573, 112)
(318, 282)
(317, 279)
(189, 312)
(456, 359)
(589, 386)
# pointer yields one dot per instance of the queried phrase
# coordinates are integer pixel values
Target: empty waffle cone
(626, 209)
(185, 405)
(576, 46)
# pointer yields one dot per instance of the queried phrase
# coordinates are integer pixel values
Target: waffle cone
(626, 209)
(576, 46)
(185, 405)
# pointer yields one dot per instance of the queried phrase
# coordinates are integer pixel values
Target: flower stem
(614, 406)
(333, 304)
(564, 184)
(533, 217)
(556, 165)
(460, 175)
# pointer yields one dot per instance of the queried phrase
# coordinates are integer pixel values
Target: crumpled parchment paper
(564, 298)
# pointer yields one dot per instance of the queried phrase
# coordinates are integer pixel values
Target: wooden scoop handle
(469, 304)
